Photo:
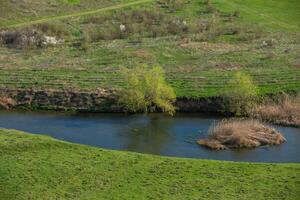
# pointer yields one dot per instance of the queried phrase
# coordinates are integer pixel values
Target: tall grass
(285, 112)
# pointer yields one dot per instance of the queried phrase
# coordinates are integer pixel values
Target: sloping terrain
(200, 44)
(18, 11)
(272, 13)
(39, 167)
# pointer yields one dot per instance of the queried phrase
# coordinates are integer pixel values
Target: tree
(241, 93)
(147, 91)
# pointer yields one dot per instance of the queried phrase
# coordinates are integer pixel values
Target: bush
(172, 5)
(21, 38)
(53, 29)
(147, 91)
(240, 93)
(136, 23)
(87, 37)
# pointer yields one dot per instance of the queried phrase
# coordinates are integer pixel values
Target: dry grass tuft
(241, 134)
(286, 112)
(6, 103)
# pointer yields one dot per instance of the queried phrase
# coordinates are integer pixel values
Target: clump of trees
(240, 93)
(147, 90)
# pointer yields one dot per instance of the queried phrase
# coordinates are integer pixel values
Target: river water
(152, 134)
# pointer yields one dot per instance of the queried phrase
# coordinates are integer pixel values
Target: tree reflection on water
(150, 134)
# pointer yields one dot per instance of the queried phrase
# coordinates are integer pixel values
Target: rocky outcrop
(208, 104)
(97, 101)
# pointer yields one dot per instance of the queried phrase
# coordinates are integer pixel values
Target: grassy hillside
(39, 167)
(200, 45)
(276, 14)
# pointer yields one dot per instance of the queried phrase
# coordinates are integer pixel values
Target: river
(152, 134)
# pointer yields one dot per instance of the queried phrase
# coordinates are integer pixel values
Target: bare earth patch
(241, 134)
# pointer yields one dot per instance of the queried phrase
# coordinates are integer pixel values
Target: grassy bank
(39, 167)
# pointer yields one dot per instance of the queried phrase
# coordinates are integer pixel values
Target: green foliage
(240, 92)
(147, 90)
(71, 1)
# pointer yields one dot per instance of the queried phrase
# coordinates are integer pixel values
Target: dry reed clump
(241, 134)
(6, 103)
(286, 112)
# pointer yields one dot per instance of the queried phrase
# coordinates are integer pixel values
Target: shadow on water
(154, 134)
(147, 134)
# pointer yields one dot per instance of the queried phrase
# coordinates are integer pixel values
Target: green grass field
(199, 57)
(39, 167)
(273, 13)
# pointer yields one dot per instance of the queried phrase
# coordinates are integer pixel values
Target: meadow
(200, 44)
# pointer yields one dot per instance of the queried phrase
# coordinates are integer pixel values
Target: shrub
(21, 38)
(109, 32)
(172, 5)
(176, 27)
(88, 36)
(240, 94)
(137, 23)
(147, 91)
(53, 29)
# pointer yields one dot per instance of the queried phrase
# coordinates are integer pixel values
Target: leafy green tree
(241, 93)
(147, 91)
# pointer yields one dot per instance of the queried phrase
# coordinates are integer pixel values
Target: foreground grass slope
(39, 167)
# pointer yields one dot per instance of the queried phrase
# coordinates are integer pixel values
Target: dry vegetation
(32, 37)
(137, 23)
(6, 103)
(241, 134)
(285, 112)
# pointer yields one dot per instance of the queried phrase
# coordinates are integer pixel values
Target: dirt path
(115, 7)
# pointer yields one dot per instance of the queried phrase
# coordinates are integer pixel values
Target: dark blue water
(152, 134)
